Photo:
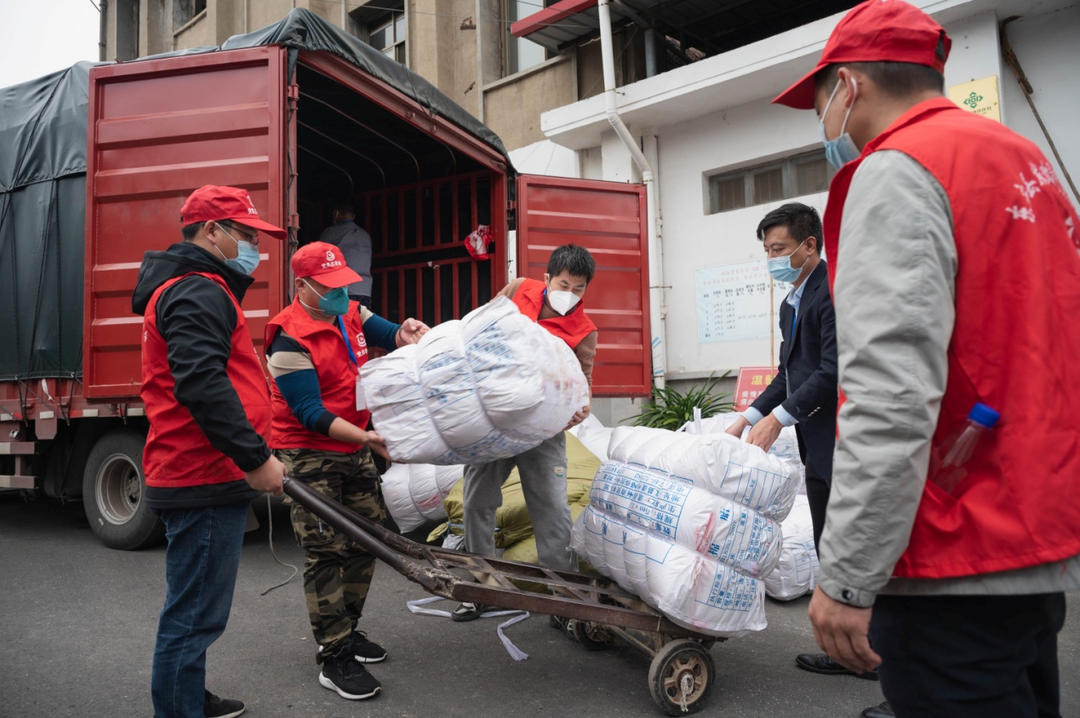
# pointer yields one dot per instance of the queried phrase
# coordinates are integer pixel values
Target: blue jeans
(201, 562)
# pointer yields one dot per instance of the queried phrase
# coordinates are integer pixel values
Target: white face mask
(562, 302)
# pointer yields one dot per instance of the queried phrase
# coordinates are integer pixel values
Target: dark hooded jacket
(197, 318)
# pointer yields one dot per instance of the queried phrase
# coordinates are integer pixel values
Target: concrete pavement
(78, 623)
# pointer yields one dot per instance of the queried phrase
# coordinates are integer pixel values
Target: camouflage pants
(337, 571)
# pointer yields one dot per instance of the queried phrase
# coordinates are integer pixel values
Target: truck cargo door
(610, 220)
(158, 130)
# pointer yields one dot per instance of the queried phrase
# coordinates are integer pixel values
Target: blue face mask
(780, 267)
(247, 255)
(841, 150)
(333, 303)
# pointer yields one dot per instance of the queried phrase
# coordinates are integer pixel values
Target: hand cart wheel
(681, 676)
(593, 636)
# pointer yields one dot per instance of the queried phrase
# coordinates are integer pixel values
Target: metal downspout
(103, 30)
(657, 321)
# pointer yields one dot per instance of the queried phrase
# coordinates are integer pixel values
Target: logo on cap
(330, 256)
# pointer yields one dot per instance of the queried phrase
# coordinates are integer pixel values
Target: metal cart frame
(592, 609)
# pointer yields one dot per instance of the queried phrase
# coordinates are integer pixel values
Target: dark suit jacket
(805, 382)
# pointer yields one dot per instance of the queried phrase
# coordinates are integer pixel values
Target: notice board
(733, 302)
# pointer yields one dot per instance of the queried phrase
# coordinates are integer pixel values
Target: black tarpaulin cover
(43, 126)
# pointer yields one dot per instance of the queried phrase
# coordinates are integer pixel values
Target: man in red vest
(314, 349)
(956, 279)
(209, 407)
(556, 305)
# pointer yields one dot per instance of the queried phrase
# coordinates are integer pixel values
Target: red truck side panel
(158, 130)
(609, 219)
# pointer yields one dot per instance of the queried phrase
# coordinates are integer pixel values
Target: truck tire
(113, 489)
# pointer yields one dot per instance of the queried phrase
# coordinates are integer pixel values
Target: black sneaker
(350, 679)
(467, 612)
(214, 707)
(366, 651)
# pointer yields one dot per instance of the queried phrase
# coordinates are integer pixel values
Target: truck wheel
(113, 490)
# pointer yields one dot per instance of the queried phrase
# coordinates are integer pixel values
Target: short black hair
(800, 220)
(191, 231)
(896, 79)
(344, 205)
(573, 259)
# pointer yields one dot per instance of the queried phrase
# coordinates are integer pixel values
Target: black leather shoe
(821, 663)
(881, 710)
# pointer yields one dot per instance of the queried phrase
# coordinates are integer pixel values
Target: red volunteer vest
(177, 453)
(571, 328)
(1014, 346)
(336, 371)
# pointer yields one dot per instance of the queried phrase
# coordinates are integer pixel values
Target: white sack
(414, 493)
(719, 463)
(690, 589)
(786, 445)
(490, 386)
(594, 436)
(692, 517)
(796, 572)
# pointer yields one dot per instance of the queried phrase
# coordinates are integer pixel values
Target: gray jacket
(894, 296)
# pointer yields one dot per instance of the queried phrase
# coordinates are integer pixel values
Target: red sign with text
(751, 382)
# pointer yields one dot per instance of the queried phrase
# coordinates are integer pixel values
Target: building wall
(1049, 56)
(512, 106)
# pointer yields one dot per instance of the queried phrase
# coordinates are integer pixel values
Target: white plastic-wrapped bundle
(786, 445)
(692, 517)
(414, 493)
(594, 436)
(692, 590)
(489, 386)
(795, 573)
(720, 463)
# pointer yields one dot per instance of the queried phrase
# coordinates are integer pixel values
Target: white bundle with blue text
(796, 571)
(689, 523)
(786, 445)
(414, 493)
(691, 517)
(720, 463)
(489, 386)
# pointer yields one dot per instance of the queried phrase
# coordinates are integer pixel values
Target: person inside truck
(314, 349)
(355, 244)
(556, 304)
(205, 457)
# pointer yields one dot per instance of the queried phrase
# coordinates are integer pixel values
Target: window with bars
(770, 182)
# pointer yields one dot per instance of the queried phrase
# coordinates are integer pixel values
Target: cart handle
(434, 580)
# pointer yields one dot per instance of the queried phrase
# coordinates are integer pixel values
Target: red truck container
(297, 113)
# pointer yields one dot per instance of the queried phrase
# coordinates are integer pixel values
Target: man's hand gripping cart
(594, 610)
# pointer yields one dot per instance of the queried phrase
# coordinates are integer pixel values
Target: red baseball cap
(211, 203)
(875, 31)
(325, 264)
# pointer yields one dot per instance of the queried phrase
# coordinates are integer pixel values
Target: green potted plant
(668, 408)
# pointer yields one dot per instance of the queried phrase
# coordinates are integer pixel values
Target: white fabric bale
(692, 590)
(796, 572)
(489, 386)
(414, 493)
(692, 517)
(719, 463)
(786, 445)
(706, 595)
(594, 435)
